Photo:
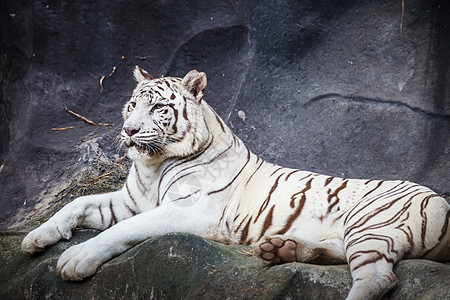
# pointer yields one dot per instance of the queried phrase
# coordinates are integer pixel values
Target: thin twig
(245, 252)
(246, 290)
(101, 83)
(100, 177)
(87, 120)
(118, 166)
(121, 158)
(112, 72)
(93, 182)
(62, 128)
(114, 68)
(262, 270)
(403, 13)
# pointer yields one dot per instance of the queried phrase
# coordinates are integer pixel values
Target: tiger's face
(160, 116)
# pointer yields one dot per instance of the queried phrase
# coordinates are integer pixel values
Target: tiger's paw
(46, 235)
(82, 260)
(275, 250)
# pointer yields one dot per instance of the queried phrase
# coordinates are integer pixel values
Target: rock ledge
(183, 266)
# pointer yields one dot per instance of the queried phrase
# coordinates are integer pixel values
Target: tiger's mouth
(143, 148)
(131, 144)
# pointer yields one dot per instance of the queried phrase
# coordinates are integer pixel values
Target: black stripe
(361, 222)
(175, 112)
(240, 224)
(177, 163)
(379, 256)
(262, 162)
(189, 158)
(113, 216)
(369, 192)
(295, 171)
(131, 210)
(298, 210)
(208, 162)
(219, 120)
(223, 213)
(310, 174)
(231, 182)
(329, 180)
(185, 116)
(335, 195)
(173, 182)
(269, 196)
(443, 231)
(276, 171)
(384, 223)
(101, 214)
(244, 233)
(140, 184)
(383, 194)
(185, 197)
(129, 194)
(159, 94)
(267, 222)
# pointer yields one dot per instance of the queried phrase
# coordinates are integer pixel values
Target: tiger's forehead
(153, 90)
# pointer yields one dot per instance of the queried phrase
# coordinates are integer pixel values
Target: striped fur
(191, 173)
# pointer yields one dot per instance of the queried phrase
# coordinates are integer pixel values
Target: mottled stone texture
(180, 266)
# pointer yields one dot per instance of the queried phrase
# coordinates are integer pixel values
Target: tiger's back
(277, 201)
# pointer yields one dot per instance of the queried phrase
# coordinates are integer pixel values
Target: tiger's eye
(131, 106)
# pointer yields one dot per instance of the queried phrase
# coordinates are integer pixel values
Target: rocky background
(347, 88)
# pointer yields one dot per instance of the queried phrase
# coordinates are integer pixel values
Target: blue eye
(159, 105)
(131, 106)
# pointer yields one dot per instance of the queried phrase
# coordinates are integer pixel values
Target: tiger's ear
(141, 75)
(195, 83)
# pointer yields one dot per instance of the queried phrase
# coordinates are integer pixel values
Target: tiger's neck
(211, 139)
(217, 127)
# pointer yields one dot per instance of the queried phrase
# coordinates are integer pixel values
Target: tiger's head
(163, 117)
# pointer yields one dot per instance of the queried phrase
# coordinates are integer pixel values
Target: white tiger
(190, 173)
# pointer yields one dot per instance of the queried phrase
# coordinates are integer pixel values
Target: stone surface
(184, 266)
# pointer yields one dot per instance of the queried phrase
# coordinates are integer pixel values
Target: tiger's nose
(130, 130)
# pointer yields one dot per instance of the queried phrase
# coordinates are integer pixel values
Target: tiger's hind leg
(283, 249)
(375, 239)
(372, 251)
(372, 281)
(373, 246)
(372, 273)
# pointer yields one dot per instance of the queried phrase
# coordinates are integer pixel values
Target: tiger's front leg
(83, 260)
(94, 212)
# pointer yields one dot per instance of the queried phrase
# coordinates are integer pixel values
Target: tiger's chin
(141, 152)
